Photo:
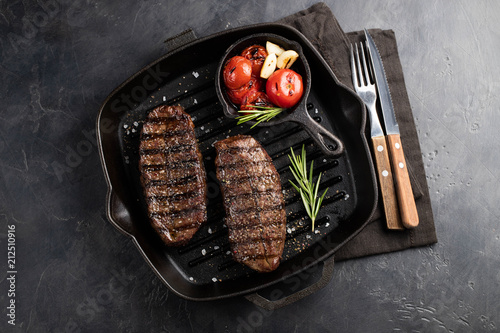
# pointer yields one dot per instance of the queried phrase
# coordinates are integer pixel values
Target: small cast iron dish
(298, 113)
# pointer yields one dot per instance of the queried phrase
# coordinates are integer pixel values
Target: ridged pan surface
(204, 269)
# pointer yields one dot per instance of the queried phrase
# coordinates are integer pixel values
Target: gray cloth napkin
(319, 25)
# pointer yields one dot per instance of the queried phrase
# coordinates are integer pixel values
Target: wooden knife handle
(386, 182)
(407, 207)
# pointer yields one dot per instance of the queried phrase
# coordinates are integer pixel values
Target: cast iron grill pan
(203, 269)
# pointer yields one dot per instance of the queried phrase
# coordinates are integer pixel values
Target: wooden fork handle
(407, 207)
(384, 174)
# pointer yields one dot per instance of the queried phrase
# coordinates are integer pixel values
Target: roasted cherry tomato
(256, 54)
(284, 88)
(236, 95)
(237, 72)
(255, 98)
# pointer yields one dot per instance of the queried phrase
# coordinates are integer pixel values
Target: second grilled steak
(255, 209)
(172, 174)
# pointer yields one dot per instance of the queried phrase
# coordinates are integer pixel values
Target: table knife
(407, 207)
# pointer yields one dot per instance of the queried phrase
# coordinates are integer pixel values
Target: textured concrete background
(59, 59)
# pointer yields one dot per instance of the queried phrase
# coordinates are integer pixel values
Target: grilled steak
(255, 209)
(172, 174)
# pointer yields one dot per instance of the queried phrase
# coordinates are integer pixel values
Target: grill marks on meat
(172, 174)
(174, 183)
(255, 209)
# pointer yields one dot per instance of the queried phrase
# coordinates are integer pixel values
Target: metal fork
(366, 90)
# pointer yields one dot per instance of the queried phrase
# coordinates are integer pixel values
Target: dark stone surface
(59, 60)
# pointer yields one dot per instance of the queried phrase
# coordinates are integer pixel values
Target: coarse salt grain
(209, 230)
(216, 247)
(214, 279)
(203, 251)
(195, 74)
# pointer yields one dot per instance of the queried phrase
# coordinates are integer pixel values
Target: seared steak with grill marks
(172, 175)
(255, 209)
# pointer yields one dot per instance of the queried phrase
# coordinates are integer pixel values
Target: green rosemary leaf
(294, 186)
(311, 173)
(317, 185)
(320, 201)
(307, 207)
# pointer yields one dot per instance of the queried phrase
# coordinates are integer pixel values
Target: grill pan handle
(118, 214)
(326, 276)
(318, 133)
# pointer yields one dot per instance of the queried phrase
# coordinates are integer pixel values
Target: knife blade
(407, 206)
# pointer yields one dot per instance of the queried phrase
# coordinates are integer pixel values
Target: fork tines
(367, 78)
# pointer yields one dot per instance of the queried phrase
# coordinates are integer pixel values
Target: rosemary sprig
(260, 114)
(305, 186)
